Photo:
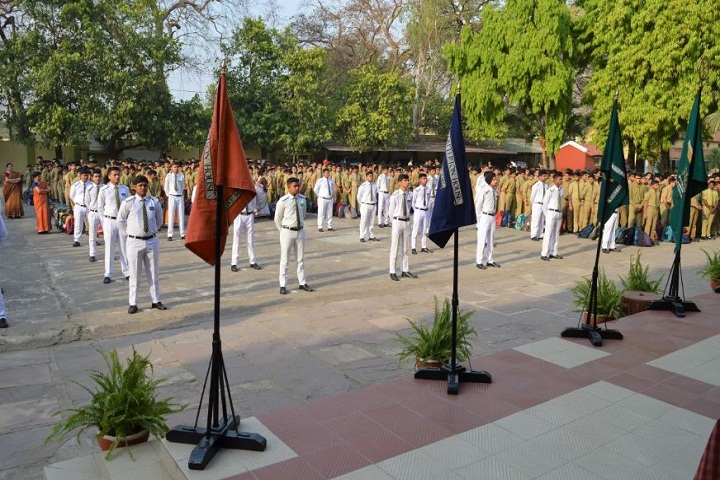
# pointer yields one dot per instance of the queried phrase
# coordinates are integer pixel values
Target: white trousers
(113, 238)
(325, 212)
(428, 220)
(608, 239)
(537, 219)
(383, 205)
(3, 313)
(367, 219)
(419, 226)
(143, 255)
(176, 203)
(79, 215)
(400, 241)
(485, 238)
(553, 221)
(93, 219)
(243, 225)
(292, 241)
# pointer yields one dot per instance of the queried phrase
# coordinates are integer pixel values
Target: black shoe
(546, 259)
(534, 239)
(331, 229)
(382, 225)
(425, 250)
(481, 266)
(414, 252)
(283, 291)
(605, 250)
(159, 306)
(182, 237)
(76, 244)
(127, 279)
(618, 250)
(558, 257)
(92, 259)
(320, 229)
(394, 277)
(409, 275)
(306, 287)
(374, 239)
(233, 268)
(255, 266)
(493, 264)
(362, 240)
(169, 239)
(132, 309)
(107, 280)
(3, 323)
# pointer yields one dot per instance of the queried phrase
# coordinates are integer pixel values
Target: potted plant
(711, 271)
(608, 297)
(432, 345)
(638, 291)
(123, 407)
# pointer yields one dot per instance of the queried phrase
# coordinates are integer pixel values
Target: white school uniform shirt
(79, 190)
(396, 208)
(552, 199)
(130, 216)
(285, 215)
(364, 191)
(324, 187)
(383, 182)
(107, 204)
(170, 183)
(250, 207)
(486, 200)
(93, 194)
(421, 198)
(538, 191)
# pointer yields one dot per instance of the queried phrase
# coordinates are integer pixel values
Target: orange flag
(223, 163)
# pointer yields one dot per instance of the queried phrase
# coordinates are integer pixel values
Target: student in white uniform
(399, 212)
(486, 198)
(290, 221)
(608, 238)
(244, 225)
(367, 198)
(552, 210)
(432, 187)
(112, 194)
(78, 193)
(174, 188)
(93, 215)
(537, 219)
(383, 187)
(140, 217)
(420, 203)
(324, 191)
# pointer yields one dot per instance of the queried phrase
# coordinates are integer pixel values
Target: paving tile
(415, 466)
(454, 453)
(336, 460)
(491, 468)
(609, 465)
(525, 425)
(371, 472)
(21, 375)
(531, 459)
(569, 472)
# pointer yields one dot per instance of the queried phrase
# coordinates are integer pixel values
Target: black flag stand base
(453, 376)
(453, 372)
(220, 432)
(671, 299)
(590, 330)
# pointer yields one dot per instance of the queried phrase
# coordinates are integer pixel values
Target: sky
(184, 84)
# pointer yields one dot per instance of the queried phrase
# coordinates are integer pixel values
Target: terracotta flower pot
(430, 362)
(715, 285)
(633, 302)
(600, 318)
(106, 441)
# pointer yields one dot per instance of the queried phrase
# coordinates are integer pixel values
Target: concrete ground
(280, 351)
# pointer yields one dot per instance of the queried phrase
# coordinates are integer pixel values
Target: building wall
(571, 157)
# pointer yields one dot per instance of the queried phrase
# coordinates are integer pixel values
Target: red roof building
(577, 156)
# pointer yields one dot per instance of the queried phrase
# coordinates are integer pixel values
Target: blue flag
(454, 206)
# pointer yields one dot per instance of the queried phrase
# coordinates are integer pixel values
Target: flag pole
(454, 373)
(589, 329)
(219, 432)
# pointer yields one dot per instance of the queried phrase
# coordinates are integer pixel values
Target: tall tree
(520, 58)
(650, 52)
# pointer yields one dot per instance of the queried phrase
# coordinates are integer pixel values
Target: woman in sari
(12, 193)
(40, 202)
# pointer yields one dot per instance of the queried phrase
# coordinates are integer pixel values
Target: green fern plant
(637, 279)
(608, 296)
(124, 402)
(711, 271)
(434, 342)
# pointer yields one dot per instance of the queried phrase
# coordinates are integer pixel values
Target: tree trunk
(631, 155)
(58, 152)
(263, 152)
(665, 160)
(543, 149)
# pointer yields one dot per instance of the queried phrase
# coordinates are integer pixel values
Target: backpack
(667, 235)
(585, 232)
(498, 218)
(69, 226)
(644, 240)
(520, 222)
(595, 234)
(339, 209)
(350, 213)
(626, 236)
(507, 219)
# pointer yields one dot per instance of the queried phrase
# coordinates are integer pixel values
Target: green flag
(691, 176)
(614, 191)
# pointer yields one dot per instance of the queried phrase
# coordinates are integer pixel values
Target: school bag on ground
(507, 219)
(520, 222)
(498, 218)
(595, 234)
(626, 236)
(585, 232)
(528, 223)
(667, 235)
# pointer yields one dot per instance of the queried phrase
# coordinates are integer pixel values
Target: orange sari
(12, 193)
(40, 202)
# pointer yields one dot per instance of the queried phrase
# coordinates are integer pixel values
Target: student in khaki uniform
(70, 177)
(695, 213)
(574, 201)
(510, 189)
(594, 199)
(635, 209)
(709, 207)
(567, 214)
(519, 197)
(651, 208)
(501, 182)
(715, 227)
(666, 201)
(584, 196)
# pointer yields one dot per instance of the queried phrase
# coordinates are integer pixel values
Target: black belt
(538, 203)
(552, 209)
(402, 219)
(93, 210)
(486, 213)
(81, 205)
(384, 191)
(294, 229)
(327, 198)
(365, 203)
(112, 218)
(418, 208)
(142, 238)
(243, 213)
(173, 195)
